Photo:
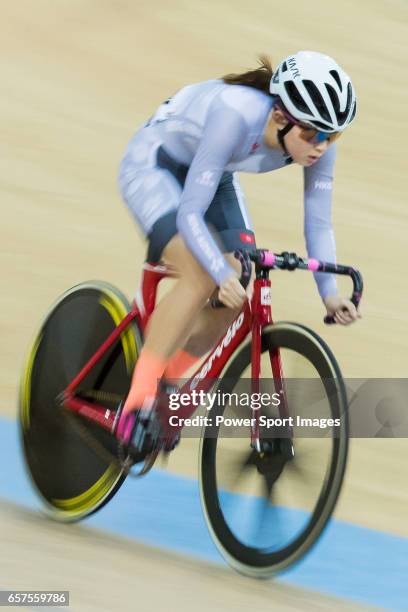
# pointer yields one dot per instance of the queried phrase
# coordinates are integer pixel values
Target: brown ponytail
(258, 78)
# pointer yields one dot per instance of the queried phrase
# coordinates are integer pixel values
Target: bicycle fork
(262, 315)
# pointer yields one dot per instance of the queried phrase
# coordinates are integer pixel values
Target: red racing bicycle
(267, 488)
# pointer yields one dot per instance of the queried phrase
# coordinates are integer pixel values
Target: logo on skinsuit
(216, 263)
(231, 332)
(247, 238)
(205, 179)
(325, 185)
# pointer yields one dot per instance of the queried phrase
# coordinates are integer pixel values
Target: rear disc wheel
(73, 463)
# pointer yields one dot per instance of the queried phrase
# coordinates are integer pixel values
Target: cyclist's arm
(223, 132)
(318, 230)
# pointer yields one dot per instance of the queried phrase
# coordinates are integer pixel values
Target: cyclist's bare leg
(173, 319)
(170, 322)
(193, 322)
(208, 326)
(209, 323)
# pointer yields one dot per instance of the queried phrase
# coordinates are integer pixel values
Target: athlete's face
(303, 152)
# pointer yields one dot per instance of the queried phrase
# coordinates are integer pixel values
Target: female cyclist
(178, 178)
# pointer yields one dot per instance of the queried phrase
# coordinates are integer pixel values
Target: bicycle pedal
(147, 431)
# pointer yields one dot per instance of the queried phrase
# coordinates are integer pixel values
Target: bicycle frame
(252, 318)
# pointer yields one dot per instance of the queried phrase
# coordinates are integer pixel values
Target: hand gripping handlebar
(267, 260)
(290, 261)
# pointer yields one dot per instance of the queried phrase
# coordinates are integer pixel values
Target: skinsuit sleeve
(223, 132)
(318, 230)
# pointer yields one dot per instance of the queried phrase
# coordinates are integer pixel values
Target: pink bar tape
(313, 265)
(269, 258)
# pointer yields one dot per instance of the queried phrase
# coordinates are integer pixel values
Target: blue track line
(164, 510)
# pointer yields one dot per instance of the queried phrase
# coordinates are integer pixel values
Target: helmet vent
(336, 77)
(334, 99)
(320, 126)
(284, 67)
(317, 99)
(343, 115)
(296, 98)
(353, 114)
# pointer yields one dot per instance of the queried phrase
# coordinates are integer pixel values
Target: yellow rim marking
(87, 499)
(26, 383)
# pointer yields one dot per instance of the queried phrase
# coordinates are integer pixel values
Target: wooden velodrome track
(78, 77)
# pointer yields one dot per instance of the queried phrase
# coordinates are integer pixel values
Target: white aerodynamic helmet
(315, 90)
